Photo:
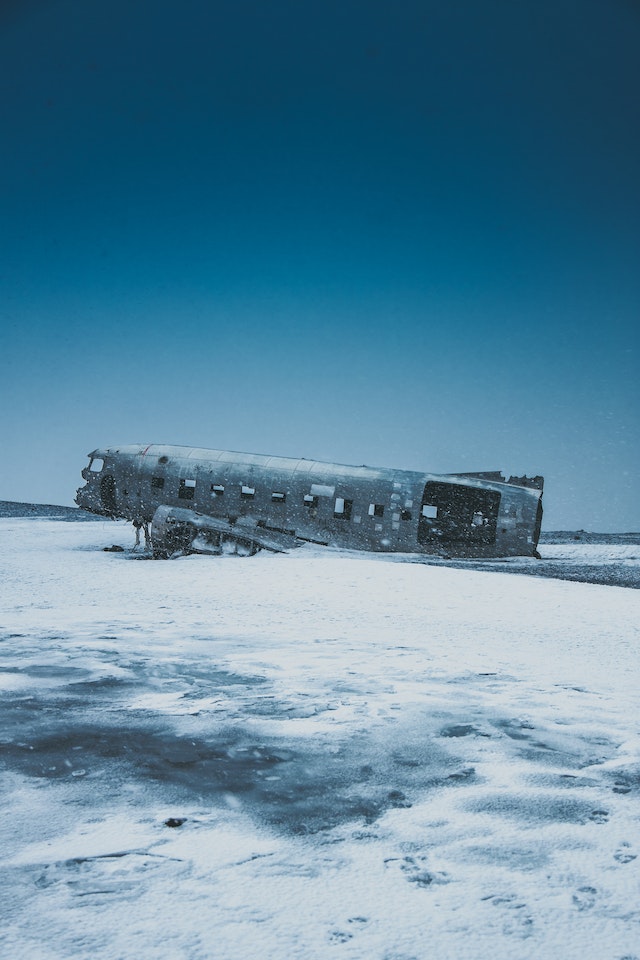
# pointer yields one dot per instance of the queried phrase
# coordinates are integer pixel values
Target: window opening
(405, 515)
(342, 509)
(247, 493)
(96, 465)
(157, 482)
(187, 489)
(278, 497)
(217, 489)
(376, 510)
(310, 501)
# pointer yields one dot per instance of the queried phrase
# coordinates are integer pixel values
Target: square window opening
(247, 493)
(376, 510)
(187, 489)
(342, 509)
(157, 483)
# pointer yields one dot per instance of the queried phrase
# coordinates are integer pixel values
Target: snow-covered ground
(313, 755)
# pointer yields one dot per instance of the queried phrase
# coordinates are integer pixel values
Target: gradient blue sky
(398, 233)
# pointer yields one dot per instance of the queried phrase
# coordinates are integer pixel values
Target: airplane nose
(85, 499)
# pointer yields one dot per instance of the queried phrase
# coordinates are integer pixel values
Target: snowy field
(314, 755)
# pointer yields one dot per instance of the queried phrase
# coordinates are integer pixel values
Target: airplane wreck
(216, 501)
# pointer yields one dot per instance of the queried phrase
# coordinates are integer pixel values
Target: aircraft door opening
(108, 493)
(453, 513)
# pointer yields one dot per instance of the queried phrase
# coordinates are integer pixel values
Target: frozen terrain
(315, 755)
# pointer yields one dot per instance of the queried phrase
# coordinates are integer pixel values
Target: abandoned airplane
(215, 501)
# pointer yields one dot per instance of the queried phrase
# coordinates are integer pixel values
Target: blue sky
(404, 234)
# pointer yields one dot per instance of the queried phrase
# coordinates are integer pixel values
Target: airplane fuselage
(275, 502)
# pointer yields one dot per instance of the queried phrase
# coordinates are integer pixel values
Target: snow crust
(313, 755)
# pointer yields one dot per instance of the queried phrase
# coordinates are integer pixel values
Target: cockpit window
(96, 465)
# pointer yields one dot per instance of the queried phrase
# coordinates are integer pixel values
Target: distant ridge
(583, 536)
(9, 508)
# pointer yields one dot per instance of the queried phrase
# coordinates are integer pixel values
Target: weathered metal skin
(215, 501)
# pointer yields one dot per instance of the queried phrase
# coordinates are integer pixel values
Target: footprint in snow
(518, 922)
(599, 816)
(340, 936)
(624, 854)
(621, 786)
(585, 897)
(343, 936)
(415, 871)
